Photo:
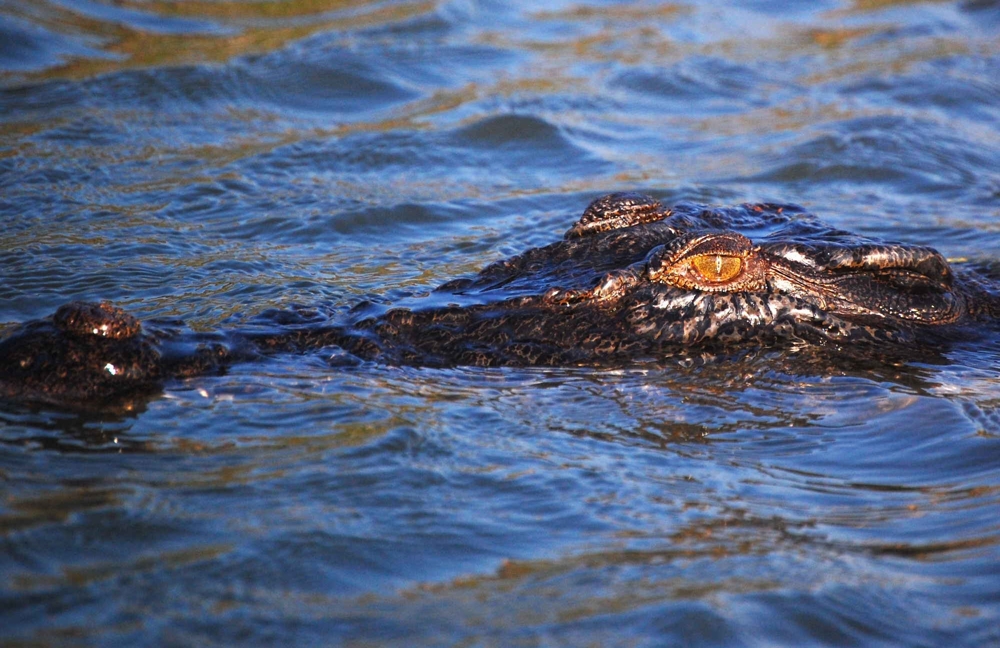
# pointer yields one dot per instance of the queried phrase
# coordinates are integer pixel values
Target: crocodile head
(631, 279)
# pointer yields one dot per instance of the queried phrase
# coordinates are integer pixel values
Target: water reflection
(59, 40)
(214, 159)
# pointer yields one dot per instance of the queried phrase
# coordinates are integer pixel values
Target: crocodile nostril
(100, 320)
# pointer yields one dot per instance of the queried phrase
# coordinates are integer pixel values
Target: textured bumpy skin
(630, 281)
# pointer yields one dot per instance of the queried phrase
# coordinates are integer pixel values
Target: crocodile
(630, 281)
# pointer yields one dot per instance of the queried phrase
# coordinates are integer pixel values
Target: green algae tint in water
(209, 160)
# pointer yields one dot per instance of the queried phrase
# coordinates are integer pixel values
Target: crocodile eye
(717, 268)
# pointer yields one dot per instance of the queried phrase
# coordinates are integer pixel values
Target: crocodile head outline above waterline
(631, 281)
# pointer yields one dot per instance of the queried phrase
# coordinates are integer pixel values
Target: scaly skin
(629, 281)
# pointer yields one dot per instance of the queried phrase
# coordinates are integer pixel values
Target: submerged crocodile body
(629, 281)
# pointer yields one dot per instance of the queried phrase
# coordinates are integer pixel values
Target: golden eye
(717, 268)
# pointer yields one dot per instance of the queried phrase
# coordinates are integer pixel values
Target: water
(210, 160)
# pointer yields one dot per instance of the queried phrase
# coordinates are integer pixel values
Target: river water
(215, 158)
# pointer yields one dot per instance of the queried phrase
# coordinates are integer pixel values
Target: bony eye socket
(717, 268)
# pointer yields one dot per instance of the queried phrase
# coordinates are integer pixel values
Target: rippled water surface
(212, 159)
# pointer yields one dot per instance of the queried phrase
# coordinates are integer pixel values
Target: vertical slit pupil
(717, 268)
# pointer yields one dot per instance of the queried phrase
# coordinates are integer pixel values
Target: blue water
(213, 159)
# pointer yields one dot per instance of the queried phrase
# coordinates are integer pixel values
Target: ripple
(85, 39)
(28, 47)
(339, 84)
(521, 139)
(960, 87)
(909, 156)
(714, 85)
